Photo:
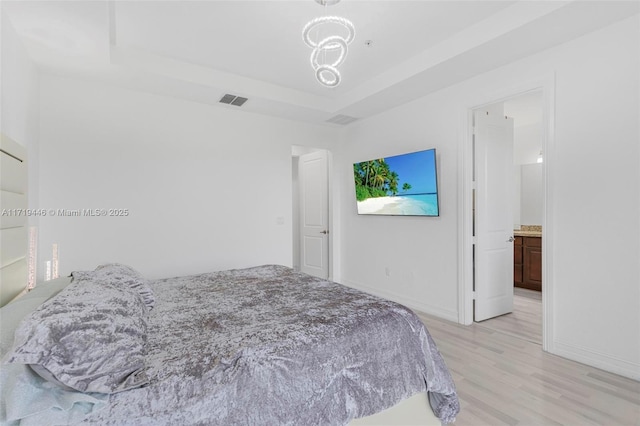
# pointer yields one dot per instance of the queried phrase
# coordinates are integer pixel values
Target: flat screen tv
(402, 185)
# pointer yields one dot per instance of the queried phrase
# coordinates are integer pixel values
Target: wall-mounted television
(402, 185)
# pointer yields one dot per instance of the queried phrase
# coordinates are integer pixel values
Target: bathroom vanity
(527, 259)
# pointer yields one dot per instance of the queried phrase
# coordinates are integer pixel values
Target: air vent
(233, 100)
(341, 119)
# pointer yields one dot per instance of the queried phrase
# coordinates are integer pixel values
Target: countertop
(520, 233)
(528, 231)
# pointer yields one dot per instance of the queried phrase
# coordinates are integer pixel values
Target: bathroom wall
(526, 111)
(531, 200)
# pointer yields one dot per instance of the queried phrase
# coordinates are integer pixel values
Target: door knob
(325, 232)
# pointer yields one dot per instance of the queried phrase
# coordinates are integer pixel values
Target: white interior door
(493, 277)
(314, 212)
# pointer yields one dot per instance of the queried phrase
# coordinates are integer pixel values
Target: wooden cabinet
(532, 263)
(517, 261)
(527, 263)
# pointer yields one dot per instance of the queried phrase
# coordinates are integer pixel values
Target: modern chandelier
(329, 50)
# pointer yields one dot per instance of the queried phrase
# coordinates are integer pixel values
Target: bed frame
(13, 225)
(412, 411)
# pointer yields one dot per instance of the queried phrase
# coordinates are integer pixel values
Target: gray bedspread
(269, 346)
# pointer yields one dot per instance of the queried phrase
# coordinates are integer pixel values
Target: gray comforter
(269, 346)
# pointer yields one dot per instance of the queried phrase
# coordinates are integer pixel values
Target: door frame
(546, 84)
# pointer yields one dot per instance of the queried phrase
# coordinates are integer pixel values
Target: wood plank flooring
(525, 322)
(506, 380)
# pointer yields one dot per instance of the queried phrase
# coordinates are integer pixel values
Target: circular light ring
(328, 19)
(332, 43)
(321, 46)
(328, 69)
(327, 73)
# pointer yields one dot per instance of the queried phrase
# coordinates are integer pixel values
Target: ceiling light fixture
(330, 51)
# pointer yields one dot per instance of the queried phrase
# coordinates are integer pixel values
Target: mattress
(267, 345)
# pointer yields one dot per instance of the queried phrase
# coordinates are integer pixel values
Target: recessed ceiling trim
(494, 27)
(171, 68)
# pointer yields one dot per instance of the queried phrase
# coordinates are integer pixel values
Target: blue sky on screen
(416, 168)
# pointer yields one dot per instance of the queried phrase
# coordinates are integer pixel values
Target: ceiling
(200, 50)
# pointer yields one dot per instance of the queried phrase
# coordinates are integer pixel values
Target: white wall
(596, 193)
(517, 196)
(204, 184)
(593, 201)
(19, 84)
(532, 197)
(526, 111)
(419, 252)
(528, 143)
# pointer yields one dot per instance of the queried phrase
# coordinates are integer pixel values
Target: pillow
(91, 337)
(10, 317)
(12, 313)
(25, 398)
(116, 272)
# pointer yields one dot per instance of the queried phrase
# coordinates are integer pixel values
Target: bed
(257, 346)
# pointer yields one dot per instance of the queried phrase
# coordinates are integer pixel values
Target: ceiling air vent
(233, 100)
(341, 119)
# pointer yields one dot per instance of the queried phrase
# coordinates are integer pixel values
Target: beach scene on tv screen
(403, 185)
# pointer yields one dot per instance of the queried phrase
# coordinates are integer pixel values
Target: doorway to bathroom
(508, 176)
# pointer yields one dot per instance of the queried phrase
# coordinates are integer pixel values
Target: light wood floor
(502, 379)
(525, 322)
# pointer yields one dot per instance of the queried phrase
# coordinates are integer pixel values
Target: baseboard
(410, 303)
(597, 360)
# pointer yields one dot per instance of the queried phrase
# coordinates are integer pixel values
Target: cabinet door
(533, 263)
(517, 262)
